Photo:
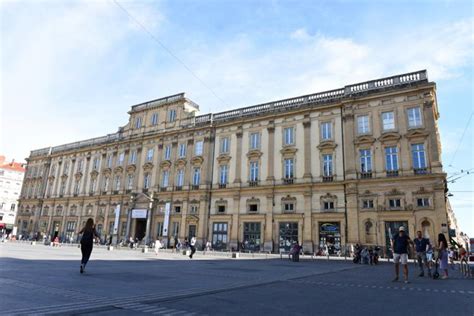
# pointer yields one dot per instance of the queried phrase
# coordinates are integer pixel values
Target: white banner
(117, 217)
(139, 213)
(167, 219)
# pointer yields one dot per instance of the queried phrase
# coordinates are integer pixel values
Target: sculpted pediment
(328, 144)
(365, 139)
(165, 164)
(78, 175)
(107, 171)
(197, 160)
(417, 133)
(181, 162)
(118, 169)
(131, 168)
(94, 174)
(254, 154)
(391, 136)
(223, 158)
(148, 166)
(288, 151)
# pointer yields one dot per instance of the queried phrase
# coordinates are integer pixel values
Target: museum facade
(333, 168)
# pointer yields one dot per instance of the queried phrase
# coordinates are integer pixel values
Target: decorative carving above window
(327, 144)
(197, 160)
(390, 136)
(365, 139)
(118, 169)
(147, 166)
(254, 153)
(288, 151)
(165, 164)
(223, 158)
(394, 192)
(417, 133)
(181, 162)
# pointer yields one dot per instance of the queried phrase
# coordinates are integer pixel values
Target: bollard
(145, 250)
(110, 248)
(235, 255)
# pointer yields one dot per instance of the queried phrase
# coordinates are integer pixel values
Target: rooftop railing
(260, 109)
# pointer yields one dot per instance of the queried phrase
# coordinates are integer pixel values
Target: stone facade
(338, 167)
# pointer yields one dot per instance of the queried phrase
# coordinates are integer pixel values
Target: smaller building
(11, 178)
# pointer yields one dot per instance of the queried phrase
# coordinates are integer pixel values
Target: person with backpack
(87, 242)
(421, 246)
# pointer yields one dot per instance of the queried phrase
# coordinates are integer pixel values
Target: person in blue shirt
(421, 246)
(400, 244)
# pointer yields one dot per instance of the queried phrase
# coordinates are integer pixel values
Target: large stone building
(338, 167)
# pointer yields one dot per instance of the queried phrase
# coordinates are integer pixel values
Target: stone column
(238, 166)
(188, 169)
(307, 148)
(268, 231)
(352, 214)
(86, 176)
(434, 144)
(234, 225)
(271, 152)
(308, 225)
(348, 132)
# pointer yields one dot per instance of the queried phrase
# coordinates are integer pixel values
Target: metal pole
(148, 220)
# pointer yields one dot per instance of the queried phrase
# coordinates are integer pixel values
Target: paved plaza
(38, 279)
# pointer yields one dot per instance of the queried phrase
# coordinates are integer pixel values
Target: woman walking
(443, 254)
(87, 241)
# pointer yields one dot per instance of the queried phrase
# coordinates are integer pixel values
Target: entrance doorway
(191, 232)
(330, 236)
(251, 241)
(140, 228)
(55, 230)
(288, 235)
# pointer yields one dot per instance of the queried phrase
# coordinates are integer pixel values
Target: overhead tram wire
(167, 50)
(460, 140)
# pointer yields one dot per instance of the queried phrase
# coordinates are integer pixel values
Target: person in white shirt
(158, 245)
(193, 247)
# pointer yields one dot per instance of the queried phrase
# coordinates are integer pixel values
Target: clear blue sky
(71, 69)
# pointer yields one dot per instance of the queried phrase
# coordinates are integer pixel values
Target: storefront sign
(167, 219)
(117, 217)
(139, 213)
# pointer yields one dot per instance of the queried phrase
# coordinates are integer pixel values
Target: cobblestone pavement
(38, 279)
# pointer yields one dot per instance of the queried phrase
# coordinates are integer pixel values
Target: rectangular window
(254, 141)
(253, 207)
(221, 208)
(146, 181)
(363, 124)
(198, 148)
(76, 187)
(166, 176)
(365, 160)
(328, 205)
(138, 122)
(180, 178)
(219, 236)
(223, 173)
(66, 167)
(388, 120)
(106, 183)
(130, 182)
(418, 154)
(394, 203)
(171, 115)
(159, 229)
(423, 202)
(109, 161)
(175, 229)
(149, 155)
(326, 130)
(194, 209)
(80, 163)
(327, 165)
(254, 171)
(289, 207)
(177, 209)
(92, 187)
(154, 119)
(289, 134)
(121, 158)
(118, 180)
(182, 150)
(132, 159)
(95, 164)
(289, 168)
(391, 158)
(224, 145)
(197, 176)
(167, 152)
(414, 117)
(367, 203)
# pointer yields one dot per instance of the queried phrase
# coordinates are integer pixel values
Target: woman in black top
(87, 241)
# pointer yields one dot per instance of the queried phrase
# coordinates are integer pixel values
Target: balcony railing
(104, 192)
(163, 189)
(420, 171)
(144, 190)
(366, 175)
(392, 173)
(195, 187)
(253, 183)
(288, 180)
(178, 188)
(328, 178)
(222, 185)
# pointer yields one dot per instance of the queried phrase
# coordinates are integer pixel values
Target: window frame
(326, 130)
(384, 123)
(391, 158)
(413, 121)
(361, 127)
(199, 148)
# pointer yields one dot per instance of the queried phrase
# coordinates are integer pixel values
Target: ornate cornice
(197, 160)
(390, 136)
(255, 153)
(365, 139)
(417, 133)
(327, 144)
(223, 158)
